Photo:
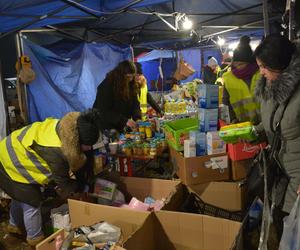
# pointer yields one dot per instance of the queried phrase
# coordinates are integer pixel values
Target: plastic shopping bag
(290, 239)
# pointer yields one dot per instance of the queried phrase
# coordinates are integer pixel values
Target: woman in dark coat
(117, 98)
(279, 63)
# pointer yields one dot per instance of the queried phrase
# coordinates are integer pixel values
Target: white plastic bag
(290, 239)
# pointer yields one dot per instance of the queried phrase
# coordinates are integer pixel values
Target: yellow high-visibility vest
(20, 162)
(242, 97)
(142, 97)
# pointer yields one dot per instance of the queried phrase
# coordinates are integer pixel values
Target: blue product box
(208, 120)
(208, 96)
(200, 141)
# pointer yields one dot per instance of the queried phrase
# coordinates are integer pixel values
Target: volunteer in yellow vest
(144, 96)
(40, 153)
(239, 85)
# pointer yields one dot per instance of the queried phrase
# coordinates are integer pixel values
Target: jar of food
(148, 130)
(135, 149)
(139, 149)
(153, 150)
(146, 148)
(127, 150)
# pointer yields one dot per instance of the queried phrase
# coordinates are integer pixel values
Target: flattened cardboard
(193, 171)
(226, 195)
(239, 169)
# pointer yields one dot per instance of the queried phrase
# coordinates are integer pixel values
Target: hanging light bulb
(221, 41)
(230, 53)
(187, 23)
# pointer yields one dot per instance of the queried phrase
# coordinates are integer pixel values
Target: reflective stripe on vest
(20, 162)
(241, 97)
(142, 97)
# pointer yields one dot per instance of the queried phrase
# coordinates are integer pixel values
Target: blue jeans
(22, 214)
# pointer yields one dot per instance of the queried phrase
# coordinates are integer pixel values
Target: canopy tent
(137, 22)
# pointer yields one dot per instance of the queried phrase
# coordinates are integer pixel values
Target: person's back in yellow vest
(40, 153)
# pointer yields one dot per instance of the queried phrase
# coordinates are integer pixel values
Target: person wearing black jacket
(117, 98)
(143, 90)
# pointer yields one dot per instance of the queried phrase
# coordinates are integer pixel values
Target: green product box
(178, 131)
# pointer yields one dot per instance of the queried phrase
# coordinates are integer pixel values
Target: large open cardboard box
(226, 195)
(166, 230)
(172, 190)
(194, 170)
(84, 213)
(163, 230)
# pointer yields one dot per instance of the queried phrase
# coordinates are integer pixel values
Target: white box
(189, 148)
(214, 144)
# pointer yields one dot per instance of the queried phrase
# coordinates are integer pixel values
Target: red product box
(242, 151)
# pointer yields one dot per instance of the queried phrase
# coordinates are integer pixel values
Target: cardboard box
(172, 230)
(172, 190)
(226, 195)
(161, 230)
(49, 243)
(195, 170)
(239, 169)
(83, 213)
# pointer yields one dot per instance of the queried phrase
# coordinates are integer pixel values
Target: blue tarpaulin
(67, 76)
(150, 65)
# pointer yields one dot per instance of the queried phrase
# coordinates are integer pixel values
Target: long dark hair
(275, 52)
(117, 77)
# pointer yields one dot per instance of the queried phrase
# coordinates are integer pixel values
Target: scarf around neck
(245, 73)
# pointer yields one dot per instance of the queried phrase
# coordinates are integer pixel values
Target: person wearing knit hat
(210, 71)
(144, 96)
(278, 92)
(44, 153)
(239, 84)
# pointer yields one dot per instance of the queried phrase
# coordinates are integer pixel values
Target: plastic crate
(194, 204)
(178, 131)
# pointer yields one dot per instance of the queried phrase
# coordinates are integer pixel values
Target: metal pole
(22, 86)
(291, 19)
(266, 17)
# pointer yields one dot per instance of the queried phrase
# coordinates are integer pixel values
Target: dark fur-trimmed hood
(284, 86)
(68, 134)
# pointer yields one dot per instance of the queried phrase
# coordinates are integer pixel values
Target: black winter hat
(88, 129)
(139, 69)
(243, 52)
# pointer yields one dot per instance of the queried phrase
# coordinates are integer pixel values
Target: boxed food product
(208, 96)
(231, 133)
(208, 119)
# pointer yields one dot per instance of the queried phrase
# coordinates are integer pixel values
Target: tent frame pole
(266, 18)
(22, 86)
